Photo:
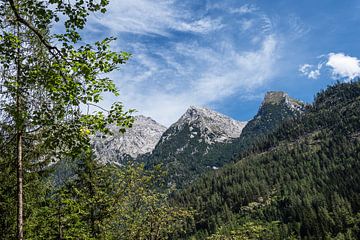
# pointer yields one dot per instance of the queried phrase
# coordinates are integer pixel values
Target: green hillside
(301, 181)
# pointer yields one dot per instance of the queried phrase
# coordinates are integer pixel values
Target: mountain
(136, 141)
(276, 108)
(205, 125)
(299, 182)
(186, 149)
(201, 140)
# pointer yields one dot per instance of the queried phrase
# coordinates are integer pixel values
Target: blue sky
(225, 55)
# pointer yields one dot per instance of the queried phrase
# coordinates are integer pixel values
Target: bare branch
(33, 29)
(97, 106)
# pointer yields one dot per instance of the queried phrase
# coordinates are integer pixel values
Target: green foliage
(249, 230)
(45, 90)
(106, 202)
(142, 212)
(7, 196)
(50, 84)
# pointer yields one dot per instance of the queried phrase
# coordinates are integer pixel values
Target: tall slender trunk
(20, 179)
(19, 133)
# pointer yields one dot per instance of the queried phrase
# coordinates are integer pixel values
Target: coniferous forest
(299, 182)
(292, 174)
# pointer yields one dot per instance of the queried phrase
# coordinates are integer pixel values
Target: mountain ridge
(200, 140)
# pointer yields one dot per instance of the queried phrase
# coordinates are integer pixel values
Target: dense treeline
(301, 181)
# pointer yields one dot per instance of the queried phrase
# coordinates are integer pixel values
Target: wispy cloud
(196, 75)
(244, 70)
(152, 17)
(297, 27)
(203, 25)
(268, 24)
(137, 16)
(244, 9)
(212, 59)
(224, 6)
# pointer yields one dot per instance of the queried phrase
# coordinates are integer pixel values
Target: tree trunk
(19, 133)
(20, 179)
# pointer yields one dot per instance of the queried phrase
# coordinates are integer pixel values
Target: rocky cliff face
(282, 98)
(138, 140)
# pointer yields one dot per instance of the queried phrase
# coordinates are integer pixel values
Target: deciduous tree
(47, 80)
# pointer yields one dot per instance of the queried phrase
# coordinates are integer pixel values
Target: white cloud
(204, 25)
(297, 27)
(339, 64)
(149, 17)
(246, 24)
(267, 26)
(344, 66)
(244, 9)
(310, 71)
(137, 16)
(244, 70)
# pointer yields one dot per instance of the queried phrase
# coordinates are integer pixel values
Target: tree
(248, 230)
(45, 85)
(141, 210)
(108, 202)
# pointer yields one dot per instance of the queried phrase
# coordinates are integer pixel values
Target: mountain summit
(208, 125)
(282, 98)
(275, 97)
(276, 107)
(138, 140)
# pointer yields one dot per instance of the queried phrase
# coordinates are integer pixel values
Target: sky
(225, 55)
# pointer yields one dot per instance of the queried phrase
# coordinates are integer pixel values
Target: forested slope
(301, 181)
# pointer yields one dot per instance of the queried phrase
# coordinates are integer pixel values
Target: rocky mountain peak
(199, 141)
(138, 140)
(194, 113)
(275, 97)
(279, 98)
(205, 122)
(275, 109)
